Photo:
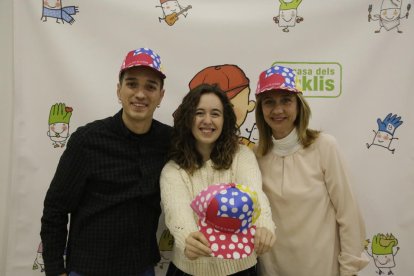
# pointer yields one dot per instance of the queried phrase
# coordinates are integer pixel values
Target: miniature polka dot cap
(278, 77)
(226, 214)
(142, 57)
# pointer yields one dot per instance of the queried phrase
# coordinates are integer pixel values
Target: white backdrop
(352, 76)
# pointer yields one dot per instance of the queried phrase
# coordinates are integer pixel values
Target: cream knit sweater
(178, 189)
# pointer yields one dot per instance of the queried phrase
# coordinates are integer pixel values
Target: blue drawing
(55, 9)
(386, 129)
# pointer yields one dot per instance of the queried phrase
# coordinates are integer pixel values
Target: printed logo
(317, 79)
(385, 133)
(288, 14)
(171, 10)
(55, 9)
(389, 15)
(383, 250)
(59, 118)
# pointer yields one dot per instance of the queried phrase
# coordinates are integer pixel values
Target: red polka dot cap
(278, 77)
(143, 57)
(227, 213)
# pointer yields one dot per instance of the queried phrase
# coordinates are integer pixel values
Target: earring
(119, 100)
(158, 106)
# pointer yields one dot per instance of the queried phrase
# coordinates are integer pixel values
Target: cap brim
(142, 65)
(279, 89)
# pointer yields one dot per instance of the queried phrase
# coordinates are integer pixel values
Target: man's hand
(196, 245)
(263, 240)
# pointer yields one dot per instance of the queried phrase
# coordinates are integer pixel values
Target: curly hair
(183, 145)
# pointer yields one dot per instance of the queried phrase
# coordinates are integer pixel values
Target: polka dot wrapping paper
(227, 213)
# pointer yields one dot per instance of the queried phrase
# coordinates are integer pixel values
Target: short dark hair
(122, 74)
(183, 147)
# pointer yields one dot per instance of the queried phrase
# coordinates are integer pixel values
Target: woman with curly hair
(205, 151)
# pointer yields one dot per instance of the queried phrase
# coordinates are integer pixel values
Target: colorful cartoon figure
(54, 9)
(288, 14)
(38, 262)
(386, 130)
(383, 253)
(171, 10)
(389, 16)
(165, 245)
(59, 118)
(233, 81)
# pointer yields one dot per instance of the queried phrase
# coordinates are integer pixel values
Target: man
(108, 181)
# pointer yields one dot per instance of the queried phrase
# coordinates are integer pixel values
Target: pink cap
(227, 213)
(142, 57)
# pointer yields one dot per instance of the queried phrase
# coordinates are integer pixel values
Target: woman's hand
(263, 240)
(196, 245)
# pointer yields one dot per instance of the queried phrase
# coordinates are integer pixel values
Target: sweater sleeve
(348, 216)
(176, 199)
(62, 198)
(248, 173)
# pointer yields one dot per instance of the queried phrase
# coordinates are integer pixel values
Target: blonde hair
(306, 136)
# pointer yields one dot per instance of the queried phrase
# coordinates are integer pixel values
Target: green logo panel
(317, 79)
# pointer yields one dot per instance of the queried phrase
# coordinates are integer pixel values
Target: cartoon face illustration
(242, 105)
(383, 250)
(390, 18)
(288, 14)
(59, 118)
(52, 4)
(171, 10)
(287, 18)
(390, 14)
(383, 139)
(58, 132)
(386, 130)
(384, 261)
(170, 7)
